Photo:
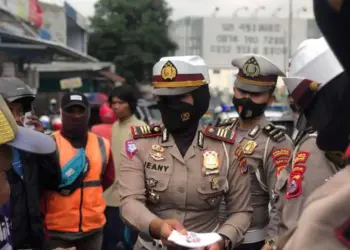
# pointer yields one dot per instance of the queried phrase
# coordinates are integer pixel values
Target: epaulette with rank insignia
(228, 122)
(274, 133)
(146, 131)
(221, 134)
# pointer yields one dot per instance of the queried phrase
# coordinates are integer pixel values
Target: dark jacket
(40, 172)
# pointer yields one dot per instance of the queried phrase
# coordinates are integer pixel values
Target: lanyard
(16, 163)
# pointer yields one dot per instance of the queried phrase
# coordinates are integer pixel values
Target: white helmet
(312, 66)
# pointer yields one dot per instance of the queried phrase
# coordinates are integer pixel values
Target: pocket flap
(216, 184)
(157, 181)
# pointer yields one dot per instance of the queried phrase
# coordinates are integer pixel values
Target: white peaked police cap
(312, 66)
(22, 138)
(256, 73)
(179, 75)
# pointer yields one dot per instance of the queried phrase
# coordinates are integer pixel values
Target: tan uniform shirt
(325, 221)
(311, 169)
(166, 185)
(267, 151)
(120, 133)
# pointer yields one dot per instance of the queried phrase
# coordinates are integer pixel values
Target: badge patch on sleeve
(301, 157)
(239, 152)
(343, 233)
(294, 188)
(279, 169)
(281, 162)
(277, 153)
(299, 169)
(281, 159)
(243, 166)
(130, 148)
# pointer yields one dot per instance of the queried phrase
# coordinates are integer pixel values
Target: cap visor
(173, 91)
(251, 88)
(74, 103)
(33, 142)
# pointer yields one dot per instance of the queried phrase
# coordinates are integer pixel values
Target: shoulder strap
(228, 122)
(146, 131)
(274, 133)
(102, 147)
(221, 134)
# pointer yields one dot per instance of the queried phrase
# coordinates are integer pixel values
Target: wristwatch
(271, 242)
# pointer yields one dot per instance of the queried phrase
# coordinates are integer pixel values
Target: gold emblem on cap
(251, 68)
(169, 71)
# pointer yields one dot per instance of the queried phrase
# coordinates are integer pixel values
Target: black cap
(74, 98)
(13, 89)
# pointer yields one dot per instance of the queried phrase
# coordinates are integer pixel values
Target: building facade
(218, 40)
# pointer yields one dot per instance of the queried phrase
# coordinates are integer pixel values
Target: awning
(105, 69)
(58, 51)
(71, 66)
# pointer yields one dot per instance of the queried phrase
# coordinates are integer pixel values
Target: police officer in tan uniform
(175, 176)
(266, 148)
(313, 66)
(325, 220)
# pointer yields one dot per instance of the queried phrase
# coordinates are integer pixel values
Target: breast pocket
(157, 182)
(212, 190)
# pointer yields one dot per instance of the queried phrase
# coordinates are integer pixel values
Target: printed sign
(71, 83)
(224, 38)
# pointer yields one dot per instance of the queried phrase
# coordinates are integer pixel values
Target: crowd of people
(126, 185)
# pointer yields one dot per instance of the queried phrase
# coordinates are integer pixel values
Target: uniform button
(181, 190)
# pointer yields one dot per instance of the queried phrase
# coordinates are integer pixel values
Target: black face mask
(247, 109)
(178, 115)
(329, 116)
(334, 137)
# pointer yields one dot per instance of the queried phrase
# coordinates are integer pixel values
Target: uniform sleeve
(238, 204)
(310, 167)
(276, 161)
(131, 187)
(109, 174)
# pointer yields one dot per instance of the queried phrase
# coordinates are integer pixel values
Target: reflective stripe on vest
(83, 210)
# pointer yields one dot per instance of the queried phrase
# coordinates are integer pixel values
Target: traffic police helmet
(179, 75)
(257, 74)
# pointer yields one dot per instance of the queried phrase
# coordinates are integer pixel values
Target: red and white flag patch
(130, 148)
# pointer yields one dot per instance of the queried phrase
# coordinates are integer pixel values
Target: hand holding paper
(194, 240)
